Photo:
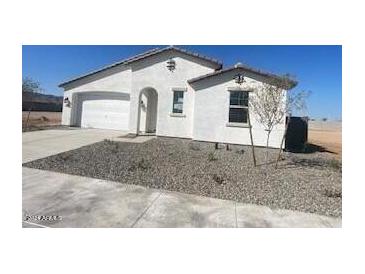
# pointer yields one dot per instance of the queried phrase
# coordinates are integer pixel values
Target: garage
(104, 110)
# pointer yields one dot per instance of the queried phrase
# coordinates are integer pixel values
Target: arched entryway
(147, 111)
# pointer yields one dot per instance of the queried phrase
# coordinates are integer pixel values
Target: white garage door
(106, 111)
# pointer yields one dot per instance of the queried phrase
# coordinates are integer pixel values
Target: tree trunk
(26, 123)
(252, 146)
(267, 153)
(282, 141)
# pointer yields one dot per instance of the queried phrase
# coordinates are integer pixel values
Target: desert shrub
(335, 164)
(141, 164)
(65, 157)
(194, 147)
(218, 179)
(113, 146)
(211, 157)
(240, 151)
(333, 193)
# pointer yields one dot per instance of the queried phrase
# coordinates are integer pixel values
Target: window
(238, 107)
(177, 106)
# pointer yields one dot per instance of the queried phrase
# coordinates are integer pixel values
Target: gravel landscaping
(304, 182)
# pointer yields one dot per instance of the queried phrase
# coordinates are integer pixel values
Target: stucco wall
(116, 79)
(211, 114)
(153, 73)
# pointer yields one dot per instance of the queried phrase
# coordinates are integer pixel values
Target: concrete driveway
(74, 201)
(44, 143)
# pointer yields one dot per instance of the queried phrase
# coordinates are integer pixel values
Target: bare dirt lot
(40, 120)
(327, 135)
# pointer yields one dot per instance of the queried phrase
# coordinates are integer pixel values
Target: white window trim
(239, 89)
(181, 115)
(235, 124)
(179, 89)
(244, 125)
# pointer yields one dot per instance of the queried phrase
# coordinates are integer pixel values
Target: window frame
(238, 124)
(182, 113)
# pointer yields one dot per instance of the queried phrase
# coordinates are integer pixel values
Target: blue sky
(317, 68)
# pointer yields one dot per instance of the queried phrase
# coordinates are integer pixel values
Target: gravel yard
(304, 182)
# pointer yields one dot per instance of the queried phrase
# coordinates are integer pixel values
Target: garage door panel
(102, 111)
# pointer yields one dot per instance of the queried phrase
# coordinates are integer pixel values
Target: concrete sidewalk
(86, 202)
(44, 143)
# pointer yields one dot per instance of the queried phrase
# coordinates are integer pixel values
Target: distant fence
(38, 106)
(297, 134)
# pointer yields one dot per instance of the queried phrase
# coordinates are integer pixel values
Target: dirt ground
(327, 135)
(40, 119)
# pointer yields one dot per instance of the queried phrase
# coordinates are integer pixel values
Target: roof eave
(291, 83)
(216, 64)
(62, 85)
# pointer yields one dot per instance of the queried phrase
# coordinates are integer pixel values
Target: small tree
(29, 85)
(271, 105)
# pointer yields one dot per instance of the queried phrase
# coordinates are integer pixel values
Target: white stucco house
(169, 92)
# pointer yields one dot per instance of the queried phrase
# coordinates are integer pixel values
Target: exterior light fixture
(171, 64)
(67, 102)
(143, 106)
(239, 78)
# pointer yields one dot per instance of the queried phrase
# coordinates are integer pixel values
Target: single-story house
(169, 92)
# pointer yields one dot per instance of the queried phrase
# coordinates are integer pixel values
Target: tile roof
(216, 63)
(243, 68)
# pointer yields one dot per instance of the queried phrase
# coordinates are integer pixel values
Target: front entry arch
(147, 111)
